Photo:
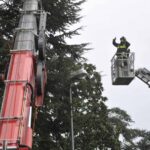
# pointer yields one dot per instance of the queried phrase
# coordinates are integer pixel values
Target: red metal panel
(17, 99)
(29, 137)
(23, 148)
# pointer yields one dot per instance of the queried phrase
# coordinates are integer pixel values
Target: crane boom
(144, 75)
(26, 79)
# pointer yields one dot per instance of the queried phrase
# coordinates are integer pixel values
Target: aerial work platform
(122, 68)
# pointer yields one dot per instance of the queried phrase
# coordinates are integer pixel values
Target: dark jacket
(122, 46)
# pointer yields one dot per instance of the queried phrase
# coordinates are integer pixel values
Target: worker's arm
(114, 42)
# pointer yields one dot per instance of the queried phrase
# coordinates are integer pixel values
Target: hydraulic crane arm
(144, 75)
(26, 79)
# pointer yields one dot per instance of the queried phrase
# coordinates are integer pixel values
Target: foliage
(95, 126)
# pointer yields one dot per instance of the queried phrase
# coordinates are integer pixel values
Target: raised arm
(114, 42)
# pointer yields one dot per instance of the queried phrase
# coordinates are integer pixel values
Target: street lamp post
(74, 75)
(71, 120)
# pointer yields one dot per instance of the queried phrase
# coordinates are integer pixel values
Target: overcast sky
(104, 20)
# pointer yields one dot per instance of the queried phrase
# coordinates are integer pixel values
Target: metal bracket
(10, 118)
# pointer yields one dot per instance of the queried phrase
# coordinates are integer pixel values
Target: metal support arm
(144, 75)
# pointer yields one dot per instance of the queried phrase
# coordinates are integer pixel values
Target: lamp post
(74, 76)
(71, 119)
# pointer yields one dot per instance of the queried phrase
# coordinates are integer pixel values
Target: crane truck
(26, 78)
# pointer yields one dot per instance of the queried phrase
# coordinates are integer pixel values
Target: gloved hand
(114, 39)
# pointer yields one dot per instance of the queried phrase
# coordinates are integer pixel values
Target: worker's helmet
(122, 38)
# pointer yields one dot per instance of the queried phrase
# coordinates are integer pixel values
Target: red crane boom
(26, 79)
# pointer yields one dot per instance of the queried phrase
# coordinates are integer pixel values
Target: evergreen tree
(95, 126)
(144, 142)
(121, 123)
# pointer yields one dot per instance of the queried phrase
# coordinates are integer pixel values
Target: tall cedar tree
(93, 126)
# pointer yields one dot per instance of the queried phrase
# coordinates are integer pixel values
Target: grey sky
(104, 20)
